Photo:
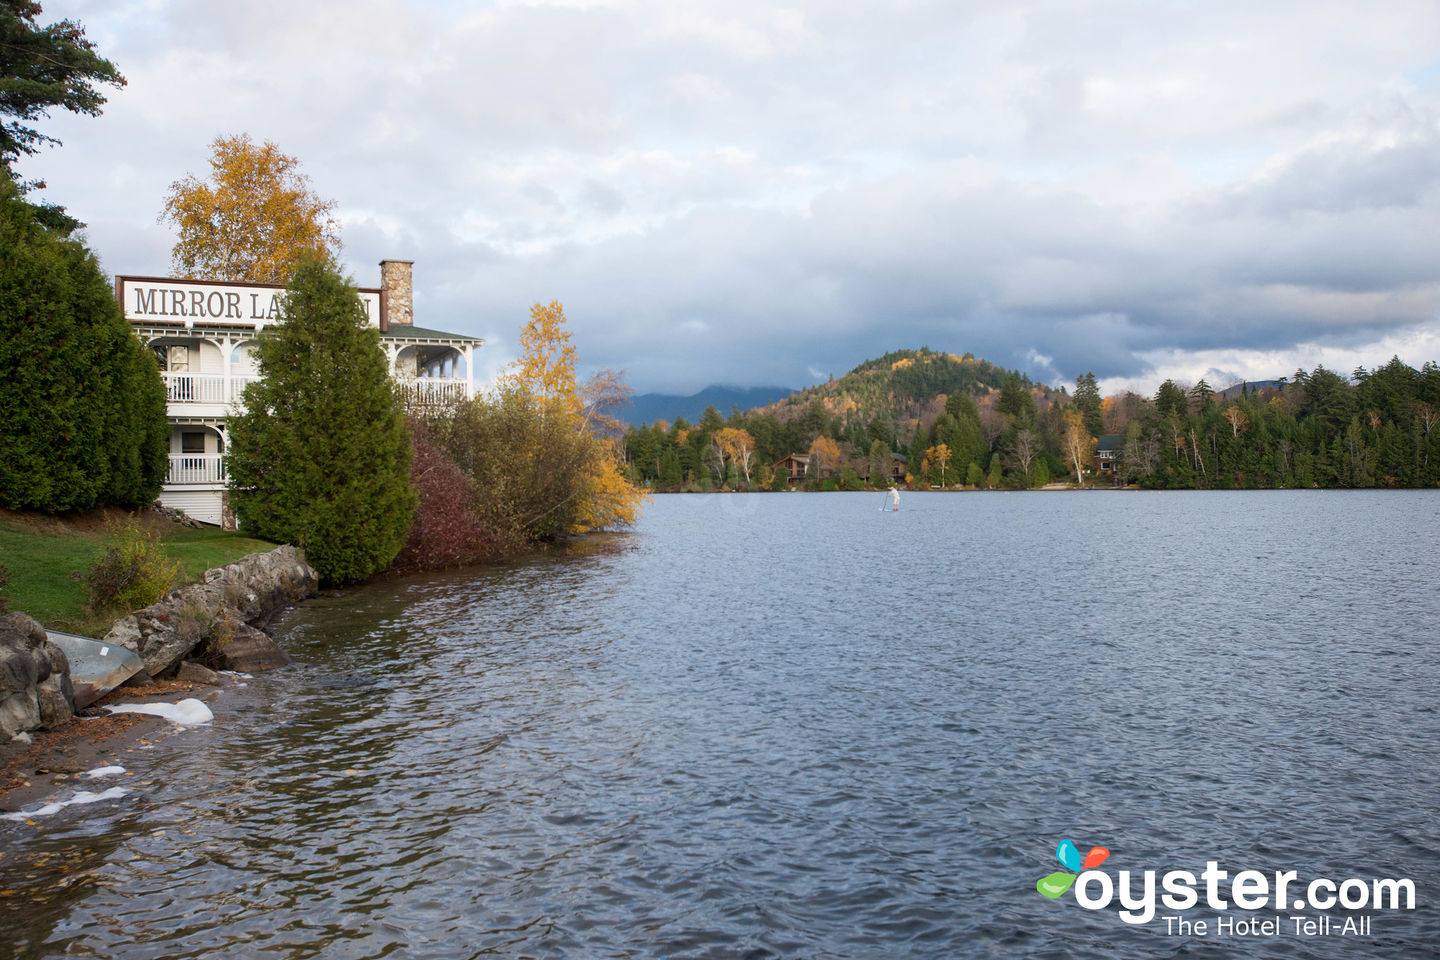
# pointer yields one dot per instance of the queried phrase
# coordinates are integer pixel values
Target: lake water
(798, 725)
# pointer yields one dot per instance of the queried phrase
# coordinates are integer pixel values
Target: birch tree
(254, 219)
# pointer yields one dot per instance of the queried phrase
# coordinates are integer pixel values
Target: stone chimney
(395, 284)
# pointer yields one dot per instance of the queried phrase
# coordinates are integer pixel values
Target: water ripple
(794, 726)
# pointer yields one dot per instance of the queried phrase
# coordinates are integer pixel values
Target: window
(179, 359)
(192, 443)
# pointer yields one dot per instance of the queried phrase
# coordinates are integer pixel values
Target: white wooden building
(203, 335)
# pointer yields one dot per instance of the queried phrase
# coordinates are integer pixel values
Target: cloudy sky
(754, 193)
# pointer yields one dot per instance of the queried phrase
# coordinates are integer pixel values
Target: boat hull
(96, 667)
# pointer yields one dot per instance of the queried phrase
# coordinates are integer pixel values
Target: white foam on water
(55, 806)
(109, 771)
(188, 712)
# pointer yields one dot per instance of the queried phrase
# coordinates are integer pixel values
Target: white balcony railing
(213, 388)
(194, 387)
(196, 468)
(433, 389)
(237, 387)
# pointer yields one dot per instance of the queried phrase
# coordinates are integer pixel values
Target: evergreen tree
(82, 407)
(43, 68)
(1087, 401)
(320, 457)
(1015, 401)
(879, 464)
(1170, 401)
(671, 473)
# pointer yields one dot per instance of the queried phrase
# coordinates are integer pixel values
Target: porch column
(469, 371)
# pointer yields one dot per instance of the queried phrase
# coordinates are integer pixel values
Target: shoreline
(57, 760)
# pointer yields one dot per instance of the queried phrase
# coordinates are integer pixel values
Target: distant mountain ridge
(650, 407)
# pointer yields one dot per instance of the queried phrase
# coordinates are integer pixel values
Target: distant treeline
(1317, 428)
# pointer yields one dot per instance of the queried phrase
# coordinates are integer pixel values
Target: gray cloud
(747, 193)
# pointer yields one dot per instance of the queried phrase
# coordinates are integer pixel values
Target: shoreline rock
(227, 611)
(231, 600)
(35, 690)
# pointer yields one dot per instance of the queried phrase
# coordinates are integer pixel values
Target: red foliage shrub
(444, 532)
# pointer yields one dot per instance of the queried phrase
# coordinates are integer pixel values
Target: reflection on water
(795, 725)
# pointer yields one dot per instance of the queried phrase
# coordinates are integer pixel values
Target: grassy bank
(48, 557)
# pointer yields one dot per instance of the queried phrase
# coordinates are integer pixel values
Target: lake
(800, 725)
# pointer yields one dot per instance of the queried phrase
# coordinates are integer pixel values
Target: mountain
(1252, 386)
(649, 407)
(902, 386)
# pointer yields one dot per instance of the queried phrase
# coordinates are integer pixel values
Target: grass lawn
(47, 557)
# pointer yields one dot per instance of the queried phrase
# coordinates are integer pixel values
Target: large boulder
(34, 678)
(249, 591)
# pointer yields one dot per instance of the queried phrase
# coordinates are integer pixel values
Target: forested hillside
(934, 419)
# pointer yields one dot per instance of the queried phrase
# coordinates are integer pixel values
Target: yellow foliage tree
(252, 220)
(1077, 443)
(545, 372)
(824, 456)
(738, 446)
(940, 453)
(1237, 419)
(546, 366)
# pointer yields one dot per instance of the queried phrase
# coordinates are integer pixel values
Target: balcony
(195, 468)
(195, 387)
(432, 390)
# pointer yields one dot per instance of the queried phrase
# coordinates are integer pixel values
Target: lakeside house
(203, 334)
(1107, 449)
(795, 466)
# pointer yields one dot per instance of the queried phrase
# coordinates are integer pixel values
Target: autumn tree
(1237, 419)
(1077, 443)
(940, 454)
(545, 368)
(824, 456)
(255, 219)
(537, 465)
(738, 446)
(320, 456)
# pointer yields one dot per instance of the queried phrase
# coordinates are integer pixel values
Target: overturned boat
(96, 667)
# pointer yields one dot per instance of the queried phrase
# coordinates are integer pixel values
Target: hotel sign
(190, 302)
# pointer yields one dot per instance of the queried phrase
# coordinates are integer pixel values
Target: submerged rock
(195, 673)
(246, 650)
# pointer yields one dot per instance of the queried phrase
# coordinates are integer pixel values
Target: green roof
(404, 331)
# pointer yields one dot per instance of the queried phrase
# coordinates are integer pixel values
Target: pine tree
(320, 457)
